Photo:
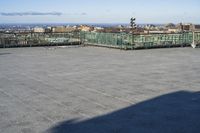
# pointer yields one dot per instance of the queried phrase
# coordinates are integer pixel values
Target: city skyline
(99, 11)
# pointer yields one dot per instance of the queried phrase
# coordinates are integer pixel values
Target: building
(195, 28)
(150, 27)
(153, 32)
(62, 29)
(173, 30)
(38, 30)
(184, 27)
(85, 28)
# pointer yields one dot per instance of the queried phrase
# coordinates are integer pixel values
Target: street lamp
(133, 24)
(133, 27)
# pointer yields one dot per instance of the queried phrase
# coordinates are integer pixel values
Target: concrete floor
(41, 88)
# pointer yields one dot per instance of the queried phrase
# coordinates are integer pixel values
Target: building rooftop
(89, 89)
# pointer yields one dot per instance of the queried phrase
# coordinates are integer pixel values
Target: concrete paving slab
(40, 88)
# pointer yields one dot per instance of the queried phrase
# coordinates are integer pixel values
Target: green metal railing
(38, 39)
(129, 41)
(115, 40)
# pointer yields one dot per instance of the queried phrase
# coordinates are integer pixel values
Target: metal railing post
(193, 40)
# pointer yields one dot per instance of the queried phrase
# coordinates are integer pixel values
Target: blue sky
(99, 11)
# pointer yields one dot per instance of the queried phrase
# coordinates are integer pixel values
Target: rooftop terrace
(99, 90)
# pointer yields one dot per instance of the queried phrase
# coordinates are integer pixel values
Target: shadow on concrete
(4, 53)
(177, 112)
